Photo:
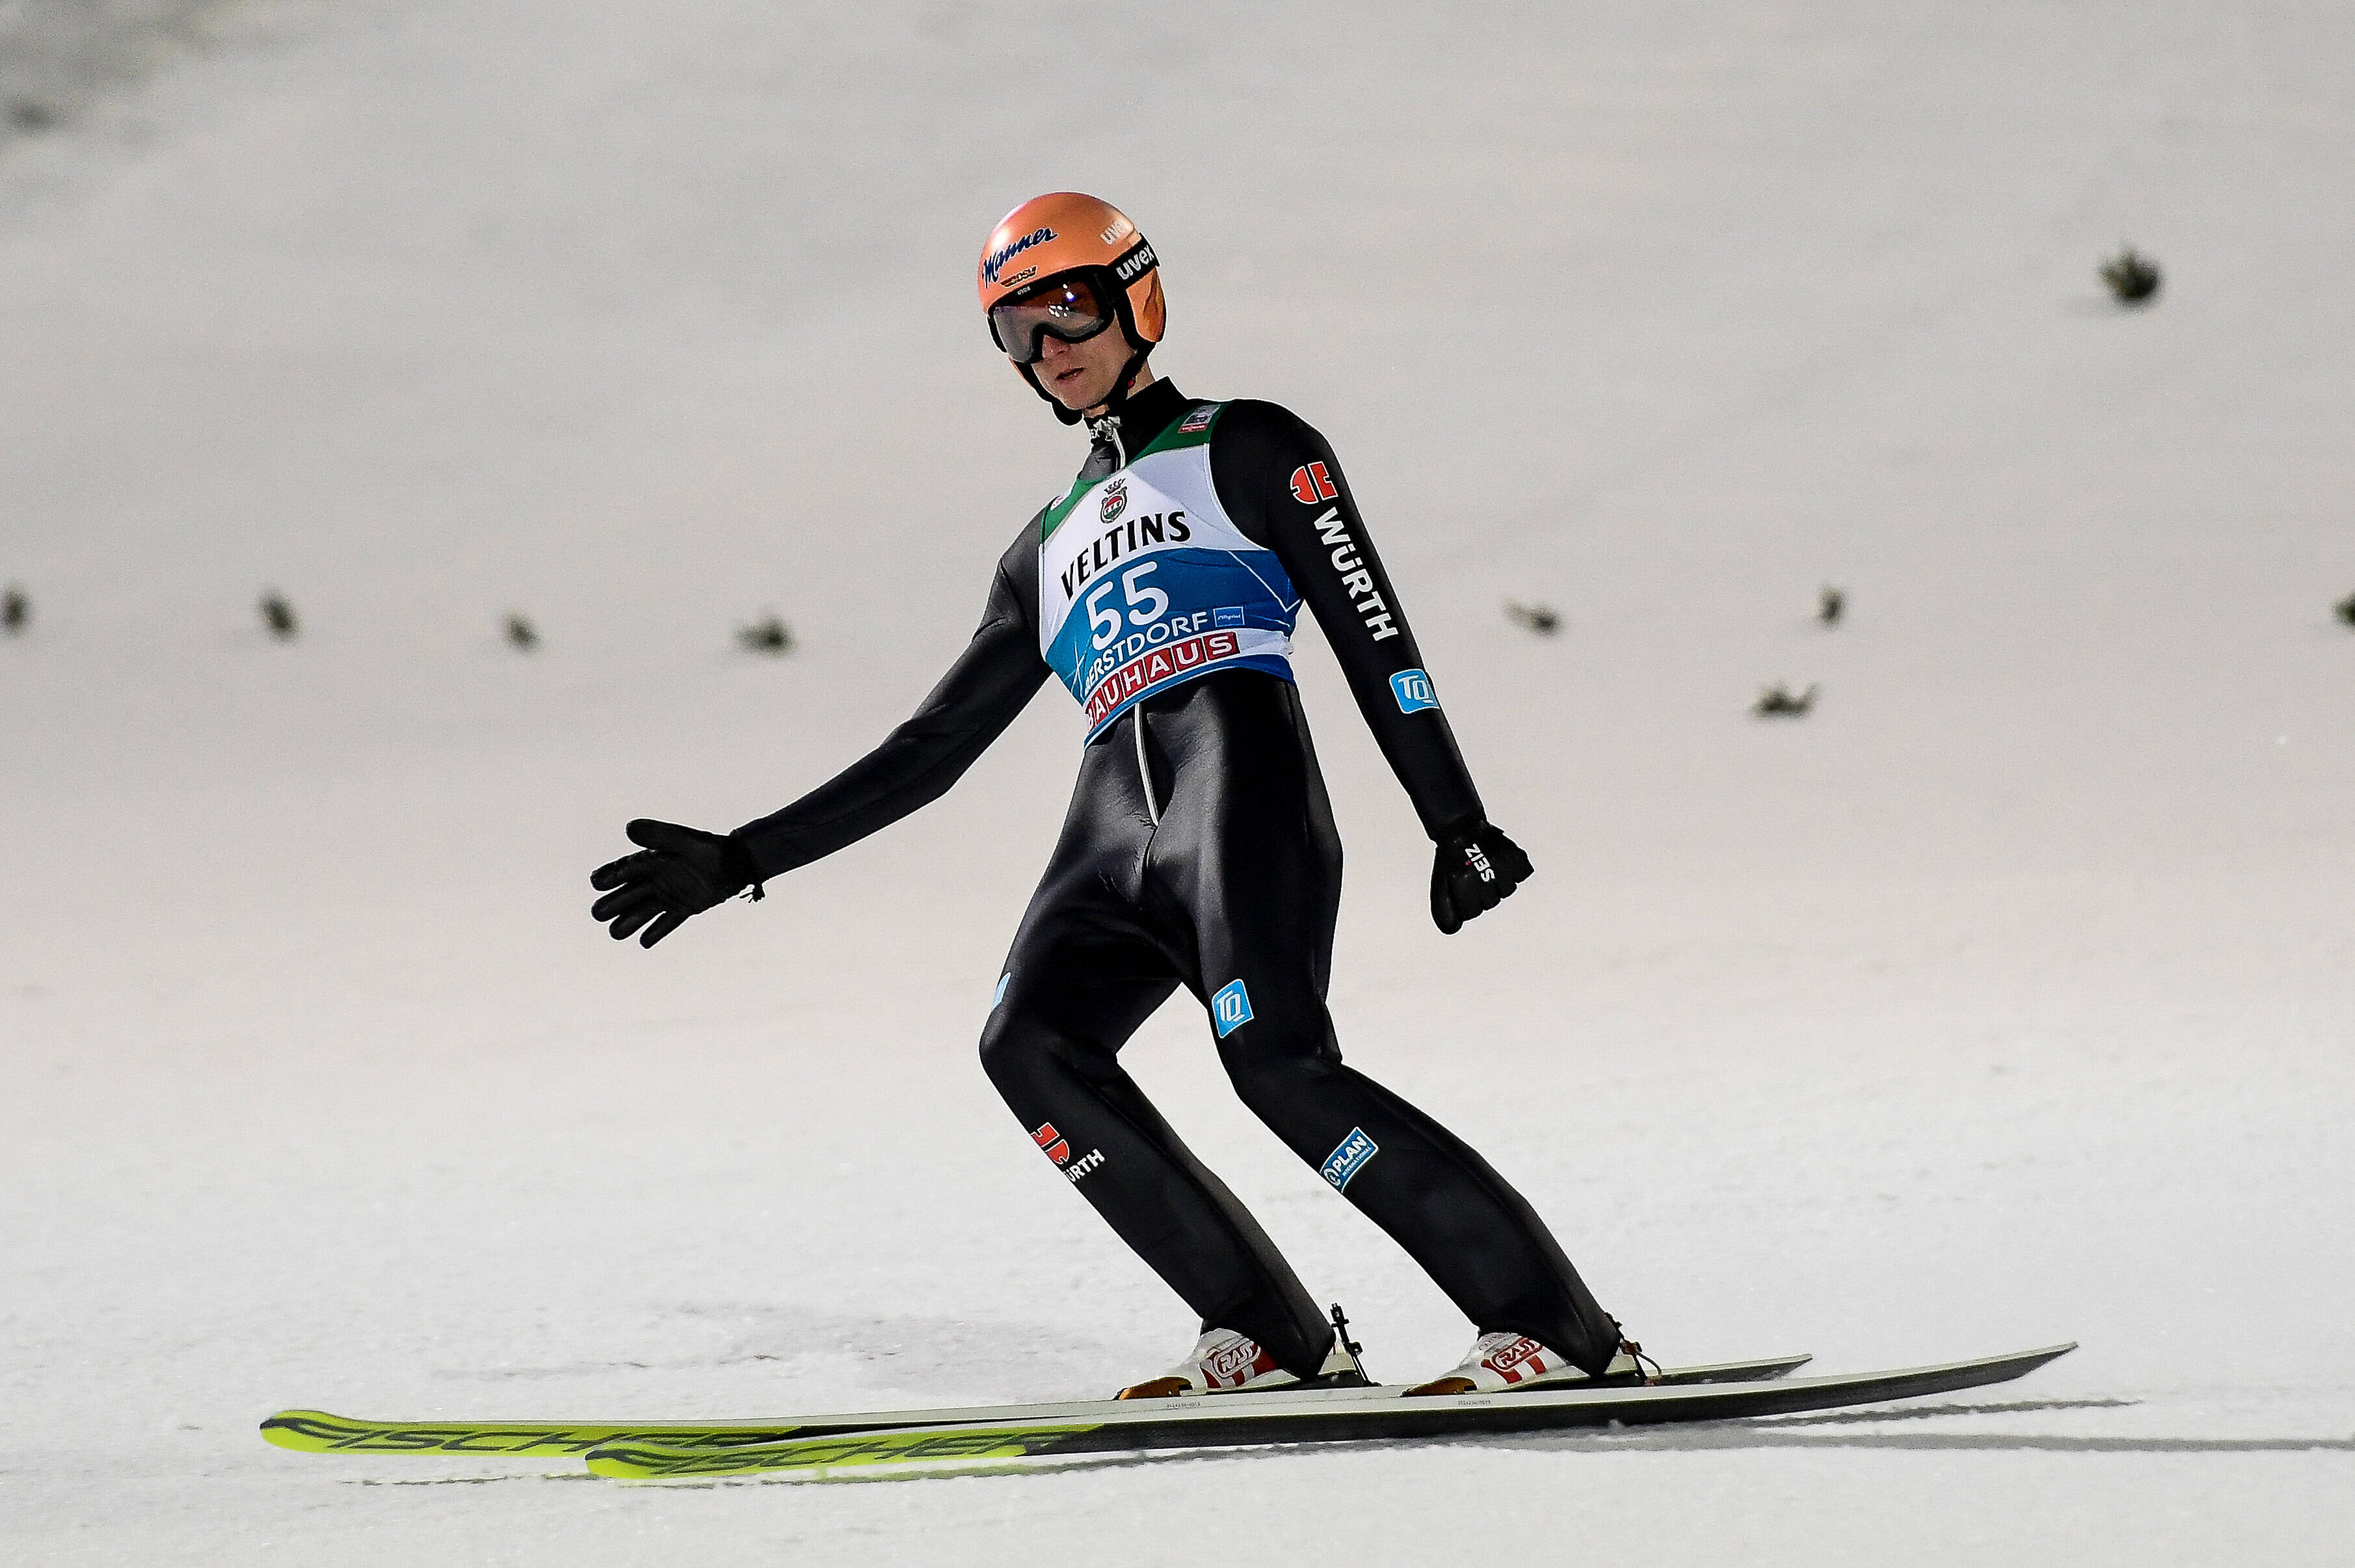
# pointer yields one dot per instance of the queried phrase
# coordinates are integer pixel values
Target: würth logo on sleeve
(1357, 577)
(1311, 484)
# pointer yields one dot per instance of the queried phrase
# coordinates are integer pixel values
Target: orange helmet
(1070, 259)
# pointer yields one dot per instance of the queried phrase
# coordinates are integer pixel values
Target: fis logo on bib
(1348, 1159)
(1412, 689)
(1230, 1008)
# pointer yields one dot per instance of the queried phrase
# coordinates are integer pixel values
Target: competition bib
(1144, 582)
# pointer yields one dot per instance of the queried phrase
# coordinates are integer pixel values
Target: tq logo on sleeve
(1412, 689)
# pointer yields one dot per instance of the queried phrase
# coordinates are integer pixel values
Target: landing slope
(2002, 999)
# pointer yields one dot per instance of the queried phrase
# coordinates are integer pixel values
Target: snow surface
(2005, 999)
(60, 58)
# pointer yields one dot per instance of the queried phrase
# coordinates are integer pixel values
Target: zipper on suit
(1144, 767)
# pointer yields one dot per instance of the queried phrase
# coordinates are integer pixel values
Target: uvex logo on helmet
(995, 261)
(1130, 266)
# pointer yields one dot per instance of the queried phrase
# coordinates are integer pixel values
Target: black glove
(681, 872)
(1476, 869)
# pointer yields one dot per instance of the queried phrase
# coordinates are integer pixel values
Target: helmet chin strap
(1124, 384)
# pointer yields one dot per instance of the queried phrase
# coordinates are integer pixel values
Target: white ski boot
(1499, 1361)
(1224, 1361)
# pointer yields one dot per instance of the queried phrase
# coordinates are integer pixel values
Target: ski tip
(2042, 1353)
(305, 1431)
(2019, 1363)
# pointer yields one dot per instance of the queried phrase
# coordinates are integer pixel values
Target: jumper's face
(1081, 376)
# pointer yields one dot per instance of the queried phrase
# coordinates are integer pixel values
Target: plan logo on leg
(1348, 1159)
(1230, 1008)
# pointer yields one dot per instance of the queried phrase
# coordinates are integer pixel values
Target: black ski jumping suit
(1200, 851)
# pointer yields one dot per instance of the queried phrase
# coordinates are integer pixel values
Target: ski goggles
(1074, 307)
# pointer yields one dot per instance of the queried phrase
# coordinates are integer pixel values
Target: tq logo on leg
(1230, 1008)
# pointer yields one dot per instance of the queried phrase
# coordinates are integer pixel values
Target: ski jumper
(1200, 851)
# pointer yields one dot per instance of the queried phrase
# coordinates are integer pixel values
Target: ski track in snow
(2004, 998)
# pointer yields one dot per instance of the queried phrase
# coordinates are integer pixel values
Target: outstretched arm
(991, 682)
(1278, 478)
(682, 871)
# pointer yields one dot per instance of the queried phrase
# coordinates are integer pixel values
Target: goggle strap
(1134, 263)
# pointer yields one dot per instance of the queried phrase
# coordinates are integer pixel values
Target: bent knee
(1007, 1046)
(1276, 1073)
(1019, 1044)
